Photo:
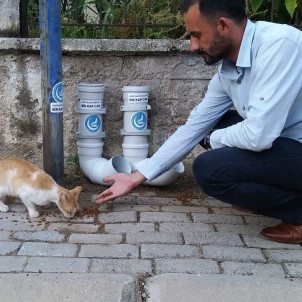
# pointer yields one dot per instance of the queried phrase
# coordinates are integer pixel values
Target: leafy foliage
(153, 19)
(283, 11)
(116, 18)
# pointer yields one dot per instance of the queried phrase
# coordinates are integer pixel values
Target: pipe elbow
(98, 168)
(167, 177)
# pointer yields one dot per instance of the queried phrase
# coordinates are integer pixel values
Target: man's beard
(218, 50)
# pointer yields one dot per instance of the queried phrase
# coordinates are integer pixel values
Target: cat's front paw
(4, 208)
(34, 214)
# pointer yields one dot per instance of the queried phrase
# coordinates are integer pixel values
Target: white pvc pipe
(135, 147)
(94, 166)
(89, 134)
(166, 178)
(135, 132)
(98, 168)
(134, 153)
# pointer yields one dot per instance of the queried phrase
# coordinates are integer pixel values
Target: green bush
(146, 19)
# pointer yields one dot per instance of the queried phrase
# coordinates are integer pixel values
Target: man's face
(204, 37)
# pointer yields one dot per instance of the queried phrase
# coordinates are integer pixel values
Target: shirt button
(262, 98)
(243, 107)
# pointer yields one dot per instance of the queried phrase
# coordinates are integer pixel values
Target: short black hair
(233, 9)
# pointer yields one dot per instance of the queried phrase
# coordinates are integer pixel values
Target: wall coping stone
(99, 46)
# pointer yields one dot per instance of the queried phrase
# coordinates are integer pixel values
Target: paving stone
(232, 211)
(256, 241)
(283, 255)
(86, 197)
(136, 194)
(183, 209)
(17, 207)
(129, 199)
(221, 288)
(9, 264)
(212, 238)
(155, 237)
(150, 251)
(225, 253)
(294, 269)
(60, 218)
(66, 287)
(73, 227)
(194, 202)
(23, 216)
(57, 265)
(162, 201)
(4, 235)
(95, 238)
(135, 267)
(216, 218)
(261, 220)
(135, 207)
(103, 208)
(126, 216)
(122, 228)
(253, 269)
(185, 227)
(146, 193)
(48, 249)
(212, 202)
(163, 217)
(239, 228)
(21, 225)
(109, 251)
(13, 216)
(8, 247)
(50, 236)
(188, 266)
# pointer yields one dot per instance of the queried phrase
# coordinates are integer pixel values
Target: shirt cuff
(215, 139)
(149, 168)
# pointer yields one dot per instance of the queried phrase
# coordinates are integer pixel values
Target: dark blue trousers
(268, 182)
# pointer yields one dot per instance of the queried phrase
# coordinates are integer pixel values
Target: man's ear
(223, 25)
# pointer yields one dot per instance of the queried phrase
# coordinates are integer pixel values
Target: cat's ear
(62, 197)
(76, 191)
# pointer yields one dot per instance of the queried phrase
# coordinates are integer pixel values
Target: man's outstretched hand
(122, 184)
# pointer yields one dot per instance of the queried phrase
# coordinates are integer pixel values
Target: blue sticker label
(57, 92)
(92, 123)
(139, 120)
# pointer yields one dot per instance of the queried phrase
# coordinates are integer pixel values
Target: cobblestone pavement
(145, 235)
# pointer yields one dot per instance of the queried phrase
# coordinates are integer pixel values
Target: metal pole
(23, 19)
(52, 90)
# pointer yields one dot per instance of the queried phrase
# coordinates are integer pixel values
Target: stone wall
(177, 78)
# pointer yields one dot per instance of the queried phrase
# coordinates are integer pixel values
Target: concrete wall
(9, 18)
(178, 80)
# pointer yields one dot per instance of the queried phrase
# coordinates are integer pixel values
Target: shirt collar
(244, 55)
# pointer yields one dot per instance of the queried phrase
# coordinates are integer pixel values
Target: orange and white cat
(19, 178)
